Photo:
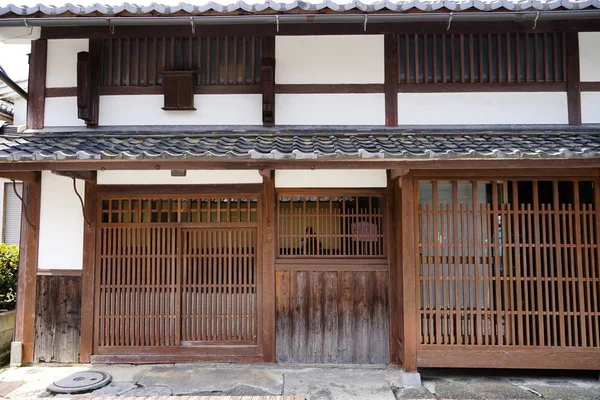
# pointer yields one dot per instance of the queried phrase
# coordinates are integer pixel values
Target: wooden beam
(398, 173)
(88, 176)
(393, 230)
(268, 266)
(391, 80)
(267, 80)
(573, 78)
(25, 176)
(408, 276)
(28, 260)
(37, 84)
(88, 274)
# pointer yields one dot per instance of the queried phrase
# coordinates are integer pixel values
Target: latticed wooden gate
(178, 275)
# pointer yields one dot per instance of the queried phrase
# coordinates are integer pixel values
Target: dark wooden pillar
(88, 273)
(573, 79)
(28, 260)
(391, 80)
(267, 80)
(408, 276)
(268, 265)
(88, 83)
(392, 231)
(36, 98)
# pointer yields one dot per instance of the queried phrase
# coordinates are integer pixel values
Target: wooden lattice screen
(225, 60)
(509, 263)
(176, 272)
(330, 226)
(482, 58)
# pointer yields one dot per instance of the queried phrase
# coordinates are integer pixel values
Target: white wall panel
(61, 223)
(329, 59)
(62, 61)
(590, 107)
(482, 108)
(330, 109)
(61, 111)
(589, 56)
(20, 112)
(322, 178)
(215, 109)
(193, 177)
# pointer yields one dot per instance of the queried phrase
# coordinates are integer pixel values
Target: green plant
(9, 265)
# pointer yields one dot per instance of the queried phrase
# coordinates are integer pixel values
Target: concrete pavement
(314, 383)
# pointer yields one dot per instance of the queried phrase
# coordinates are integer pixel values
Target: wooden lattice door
(178, 275)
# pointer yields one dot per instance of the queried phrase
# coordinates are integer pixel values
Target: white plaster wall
(20, 112)
(61, 111)
(590, 107)
(211, 109)
(193, 177)
(330, 109)
(62, 61)
(19, 34)
(589, 56)
(61, 223)
(329, 59)
(323, 178)
(2, 184)
(482, 108)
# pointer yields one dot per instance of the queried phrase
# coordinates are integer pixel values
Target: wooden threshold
(172, 358)
(508, 357)
(59, 272)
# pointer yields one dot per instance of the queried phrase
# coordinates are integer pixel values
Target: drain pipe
(12, 84)
(466, 16)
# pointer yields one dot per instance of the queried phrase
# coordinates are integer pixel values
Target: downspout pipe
(461, 16)
(12, 84)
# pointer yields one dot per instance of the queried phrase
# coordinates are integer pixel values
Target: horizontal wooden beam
(24, 176)
(483, 174)
(458, 87)
(59, 272)
(237, 189)
(333, 163)
(509, 357)
(89, 176)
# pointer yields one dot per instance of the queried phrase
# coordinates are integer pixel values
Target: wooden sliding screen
(178, 275)
(509, 266)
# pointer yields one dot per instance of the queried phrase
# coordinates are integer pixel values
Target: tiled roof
(375, 145)
(269, 6)
(6, 108)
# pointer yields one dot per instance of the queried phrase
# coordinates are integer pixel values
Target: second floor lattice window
(482, 58)
(330, 226)
(216, 60)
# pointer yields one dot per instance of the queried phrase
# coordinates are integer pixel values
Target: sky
(13, 58)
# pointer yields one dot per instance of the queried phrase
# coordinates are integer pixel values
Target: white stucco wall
(20, 112)
(329, 59)
(590, 107)
(589, 56)
(482, 108)
(61, 111)
(62, 62)
(211, 109)
(321, 178)
(193, 177)
(61, 223)
(330, 109)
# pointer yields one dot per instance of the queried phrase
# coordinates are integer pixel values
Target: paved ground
(315, 383)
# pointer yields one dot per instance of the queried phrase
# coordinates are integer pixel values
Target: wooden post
(267, 80)
(268, 265)
(36, 98)
(28, 259)
(88, 273)
(391, 80)
(392, 230)
(573, 78)
(408, 275)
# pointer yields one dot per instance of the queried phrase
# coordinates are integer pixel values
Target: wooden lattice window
(216, 60)
(330, 226)
(482, 58)
(509, 263)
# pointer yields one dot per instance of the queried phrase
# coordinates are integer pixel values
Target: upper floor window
(216, 60)
(482, 58)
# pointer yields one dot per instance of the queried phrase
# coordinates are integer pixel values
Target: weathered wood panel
(332, 317)
(58, 319)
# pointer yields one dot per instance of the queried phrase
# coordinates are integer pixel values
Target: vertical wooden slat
(537, 243)
(579, 264)
(435, 301)
(559, 257)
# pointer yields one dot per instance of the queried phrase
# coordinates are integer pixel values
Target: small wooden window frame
(178, 88)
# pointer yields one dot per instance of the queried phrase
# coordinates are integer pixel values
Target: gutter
(461, 16)
(12, 84)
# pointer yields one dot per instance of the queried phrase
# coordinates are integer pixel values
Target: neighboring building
(405, 183)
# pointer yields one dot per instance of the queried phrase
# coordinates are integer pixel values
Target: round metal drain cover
(81, 382)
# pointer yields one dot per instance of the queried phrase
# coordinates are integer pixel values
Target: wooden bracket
(88, 176)
(398, 173)
(267, 173)
(24, 176)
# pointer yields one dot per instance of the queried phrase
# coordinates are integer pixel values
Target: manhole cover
(81, 382)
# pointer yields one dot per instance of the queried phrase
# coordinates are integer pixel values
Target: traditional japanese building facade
(412, 184)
